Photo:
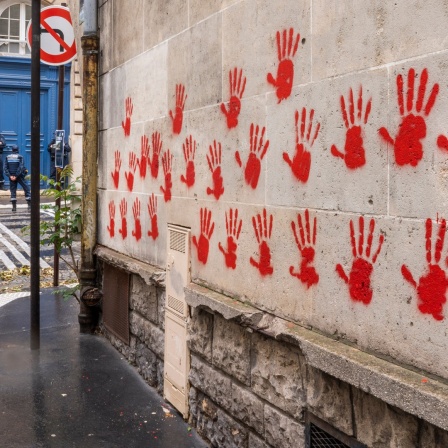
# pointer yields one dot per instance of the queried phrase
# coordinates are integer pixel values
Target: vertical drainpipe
(88, 316)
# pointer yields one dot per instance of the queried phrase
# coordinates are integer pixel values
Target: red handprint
(133, 163)
(354, 155)
(362, 268)
(179, 111)
(286, 50)
(407, 146)
(156, 148)
(431, 288)
(263, 231)
(301, 163)
(137, 232)
(214, 163)
(207, 227)
(167, 161)
(144, 156)
(124, 223)
(111, 226)
(306, 273)
(126, 124)
(257, 152)
(189, 148)
(237, 85)
(152, 210)
(233, 228)
(442, 142)
(116, 173)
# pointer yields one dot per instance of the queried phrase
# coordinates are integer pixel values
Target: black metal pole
(35, 176)
(58, 174)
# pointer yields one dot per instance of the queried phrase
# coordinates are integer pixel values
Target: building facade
(272, 201)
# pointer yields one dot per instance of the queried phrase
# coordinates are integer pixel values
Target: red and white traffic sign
(57, 39)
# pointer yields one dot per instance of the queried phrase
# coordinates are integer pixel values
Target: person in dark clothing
(52, 147)
(16, 171)
(2, 147)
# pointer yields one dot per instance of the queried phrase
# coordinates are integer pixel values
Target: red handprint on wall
(233, 228)
(116, 172)
(133, 163)
(354, 155)
(167, 161)
(144, 156)
(189, 148)
(237, 84)
(124, 222)
(362, 267)
(152, 210)
(412, 129)
(263, 231)
(258, 150)
(431, 288)
(203, 243)
(126, 124)
(137, 232)
(287, 45)
(111, 226)
(301, 163)
(156, 148)
(214, 163)
(177, 118)
(307, 273)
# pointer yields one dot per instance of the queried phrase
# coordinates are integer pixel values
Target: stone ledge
(150, 274)
(423, 397)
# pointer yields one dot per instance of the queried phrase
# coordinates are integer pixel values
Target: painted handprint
(287, 44)
(354, 155)
(189, 148)
(214, 163)
(233, 228)
(263, 231)
(167, 162)
(152, 210)
(258, 150)
(305, 243)
(144, 156)
(301, 163)
(362, 267)
(178, 115)
(116, 172)
(133, 163)
(126, 124)
(137, 232)
(203, 243)
(156, 148)
(237, 85)
(124, 222)
(111, 226)
(432, 286)
(407, 145)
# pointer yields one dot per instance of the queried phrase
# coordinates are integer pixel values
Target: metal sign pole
(35, 177)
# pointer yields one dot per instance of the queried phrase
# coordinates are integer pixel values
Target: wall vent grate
(177, 241)
(175, 305)
(321, 439)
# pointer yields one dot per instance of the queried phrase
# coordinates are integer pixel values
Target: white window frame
(22, 29)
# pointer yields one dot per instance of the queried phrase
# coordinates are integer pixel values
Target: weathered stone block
(329, 399)
(281, 430)
(148, 333)
(276, 374)
(256, 442)
(200, 333)
(247, 408)
(379, 425)
(231, 349)
(144, 299)
(161, 294)
(148, 365)
(432, 437)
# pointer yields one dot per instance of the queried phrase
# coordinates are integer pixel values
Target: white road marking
(9, 297)
(19, 257)
(23, 245)
(6, 261)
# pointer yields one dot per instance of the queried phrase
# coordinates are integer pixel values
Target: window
(14, 21)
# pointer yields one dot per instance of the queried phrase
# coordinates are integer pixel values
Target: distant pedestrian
(2, 147)
(16, 171)
(52, 148)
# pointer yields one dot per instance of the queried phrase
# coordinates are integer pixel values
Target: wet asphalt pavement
(76, 391)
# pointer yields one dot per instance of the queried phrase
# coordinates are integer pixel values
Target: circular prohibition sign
(59, 47)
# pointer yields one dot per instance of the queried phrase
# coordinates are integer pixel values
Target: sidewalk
(76, 391)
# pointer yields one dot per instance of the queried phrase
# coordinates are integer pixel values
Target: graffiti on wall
(202, 243)
(167, 163)
(237, 84)
(116, 172)
(178, 116)
(153, 232)
(262, 225)
(214, 162)
(126, 124)
(233, 230)
(124, 222)
(189, 149)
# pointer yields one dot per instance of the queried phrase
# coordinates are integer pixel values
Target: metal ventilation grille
(116, 285)
(321, 439)
(177, 241)
(175, 305)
